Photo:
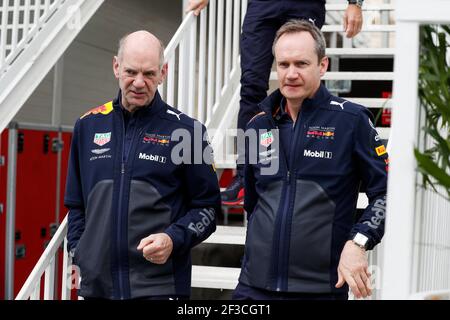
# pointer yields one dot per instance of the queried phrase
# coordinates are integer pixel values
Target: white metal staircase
(33, 35)
(203, 81)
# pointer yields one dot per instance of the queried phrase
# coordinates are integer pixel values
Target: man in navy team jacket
(137, 207)
(311, 155)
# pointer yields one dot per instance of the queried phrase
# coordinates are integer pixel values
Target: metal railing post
(10, 212)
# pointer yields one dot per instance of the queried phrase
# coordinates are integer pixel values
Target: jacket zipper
(282, 231)
(119, 229)
(286, 208)
(119, 220)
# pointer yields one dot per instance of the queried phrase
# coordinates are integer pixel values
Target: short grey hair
(297, 25)
(122, 43)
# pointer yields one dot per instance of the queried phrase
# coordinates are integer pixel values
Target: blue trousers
(244, 292)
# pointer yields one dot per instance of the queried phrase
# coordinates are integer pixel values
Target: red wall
(35, 200)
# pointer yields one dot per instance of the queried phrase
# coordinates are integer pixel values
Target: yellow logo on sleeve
(104, 109)
(381, 150)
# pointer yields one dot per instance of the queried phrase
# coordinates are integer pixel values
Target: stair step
(228, 235)
(361, 52)
(365, 28)
(372, 102)
(365, 7)
(215, 277)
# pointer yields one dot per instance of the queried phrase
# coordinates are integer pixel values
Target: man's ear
(324, 66)
(116, 66)
(164, 69)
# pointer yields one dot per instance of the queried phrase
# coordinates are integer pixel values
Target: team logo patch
(101, 139)
(152, 157)
(267, 153)
(156, 139)
(317, 132)
(266, 139)
(104, 109)
(267, 156)
(174, 114)
(318, 154)
(340, 104)
(381, 150)
(100, 151)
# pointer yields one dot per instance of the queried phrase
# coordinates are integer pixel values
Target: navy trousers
(243, 292)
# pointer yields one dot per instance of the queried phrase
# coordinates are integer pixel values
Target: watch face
(359, 3)
(360, 239)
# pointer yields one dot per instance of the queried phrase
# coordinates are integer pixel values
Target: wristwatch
(359, 3)
(360, 240)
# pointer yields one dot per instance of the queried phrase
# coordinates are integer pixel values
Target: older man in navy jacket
(138, 203)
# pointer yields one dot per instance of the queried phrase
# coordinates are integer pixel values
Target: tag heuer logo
(266, 139)
(101, 139)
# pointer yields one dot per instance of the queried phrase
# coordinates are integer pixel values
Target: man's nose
(139, 81)
(292, 73)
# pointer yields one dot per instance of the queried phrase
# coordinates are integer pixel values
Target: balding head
(143, 40)
(139, 67)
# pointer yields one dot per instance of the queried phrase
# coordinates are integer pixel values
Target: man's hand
(353, 20)
(156, 248)
(196, 5)
(353, 269)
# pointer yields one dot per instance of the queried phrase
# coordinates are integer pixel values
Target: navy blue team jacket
(122, 186)
(301, 215)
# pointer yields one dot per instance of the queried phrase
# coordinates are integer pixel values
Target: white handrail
(46, 264)
(205, 53)
(41, 39)
(219, 50)
(176, 39)
(11, 48)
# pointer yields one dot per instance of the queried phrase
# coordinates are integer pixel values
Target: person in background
(262, 20)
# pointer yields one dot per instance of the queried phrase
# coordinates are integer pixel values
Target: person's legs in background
(262, 20)
(258, 31)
